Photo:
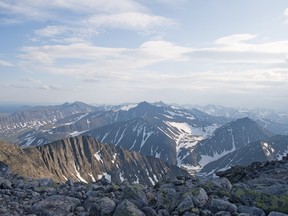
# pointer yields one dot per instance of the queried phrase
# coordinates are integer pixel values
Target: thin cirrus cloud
(50, 9)
(6, 63)
(121, 14)
(50, 87)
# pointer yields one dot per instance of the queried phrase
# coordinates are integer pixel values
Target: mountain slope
(33, 117)
(273, 148)
(138, 135)
(225, 140)
(85, 159)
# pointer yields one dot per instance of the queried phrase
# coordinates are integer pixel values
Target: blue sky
(233, 53)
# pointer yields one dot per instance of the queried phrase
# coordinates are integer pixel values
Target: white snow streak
(79, 176)
(98, 156)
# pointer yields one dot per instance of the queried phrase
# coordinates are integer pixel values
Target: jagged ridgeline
(82, 158)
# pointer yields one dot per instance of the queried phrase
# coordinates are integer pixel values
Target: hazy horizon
(233, 54)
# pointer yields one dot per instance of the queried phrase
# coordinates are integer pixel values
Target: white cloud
(117, 14)
(86, 59)
(286, 12)
(232, 39)
(5, 63)
(129, 20)
(240, 49)
(51, 31)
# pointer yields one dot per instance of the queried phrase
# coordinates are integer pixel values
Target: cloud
(126, 14)
(50, 87)
(130, 20)
(100, 62)
(239, 49)
(286, 12)
(5, 63)
(232, 39)
(66, 34)
(17, 86)
(30, 80)
(76, 21)
(51, 9)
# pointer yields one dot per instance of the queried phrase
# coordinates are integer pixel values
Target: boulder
(56, 205)
(217, 205)
(127, 208)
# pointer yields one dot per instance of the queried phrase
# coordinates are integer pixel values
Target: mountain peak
(144, 104)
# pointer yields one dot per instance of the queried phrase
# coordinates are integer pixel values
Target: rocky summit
(260, 189)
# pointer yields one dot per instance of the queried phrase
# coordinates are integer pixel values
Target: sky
(231, 53)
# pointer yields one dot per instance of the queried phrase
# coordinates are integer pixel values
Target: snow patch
(92, 177)
(98, 156)
(181, 126)
(152, 181)
(128, 107)
(114, 157)
(66, 179)
(107, 176)
(145, 137)
(268, 150)
(121, 177)
(79, 176)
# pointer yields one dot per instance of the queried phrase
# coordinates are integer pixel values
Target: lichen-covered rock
(136, 195)
(168, 199)
(127, 208)
(199, 196)
(220, 187)
(261, 200)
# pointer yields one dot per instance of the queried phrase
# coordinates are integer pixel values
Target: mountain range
(202, 140)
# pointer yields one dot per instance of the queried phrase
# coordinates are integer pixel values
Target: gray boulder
(273, 213)
(253, 211)
(167, 198)
(127, 208)
(217, 205)
(185, 205)
(56, 205)
(103, 206)
(199, 197)
(136, 195)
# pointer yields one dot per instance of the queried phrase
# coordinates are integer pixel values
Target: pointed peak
(144, 104)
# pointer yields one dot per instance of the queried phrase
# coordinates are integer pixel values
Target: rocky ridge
(85, 159)
(187, 196)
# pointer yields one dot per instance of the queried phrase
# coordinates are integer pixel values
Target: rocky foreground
(260, 189)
